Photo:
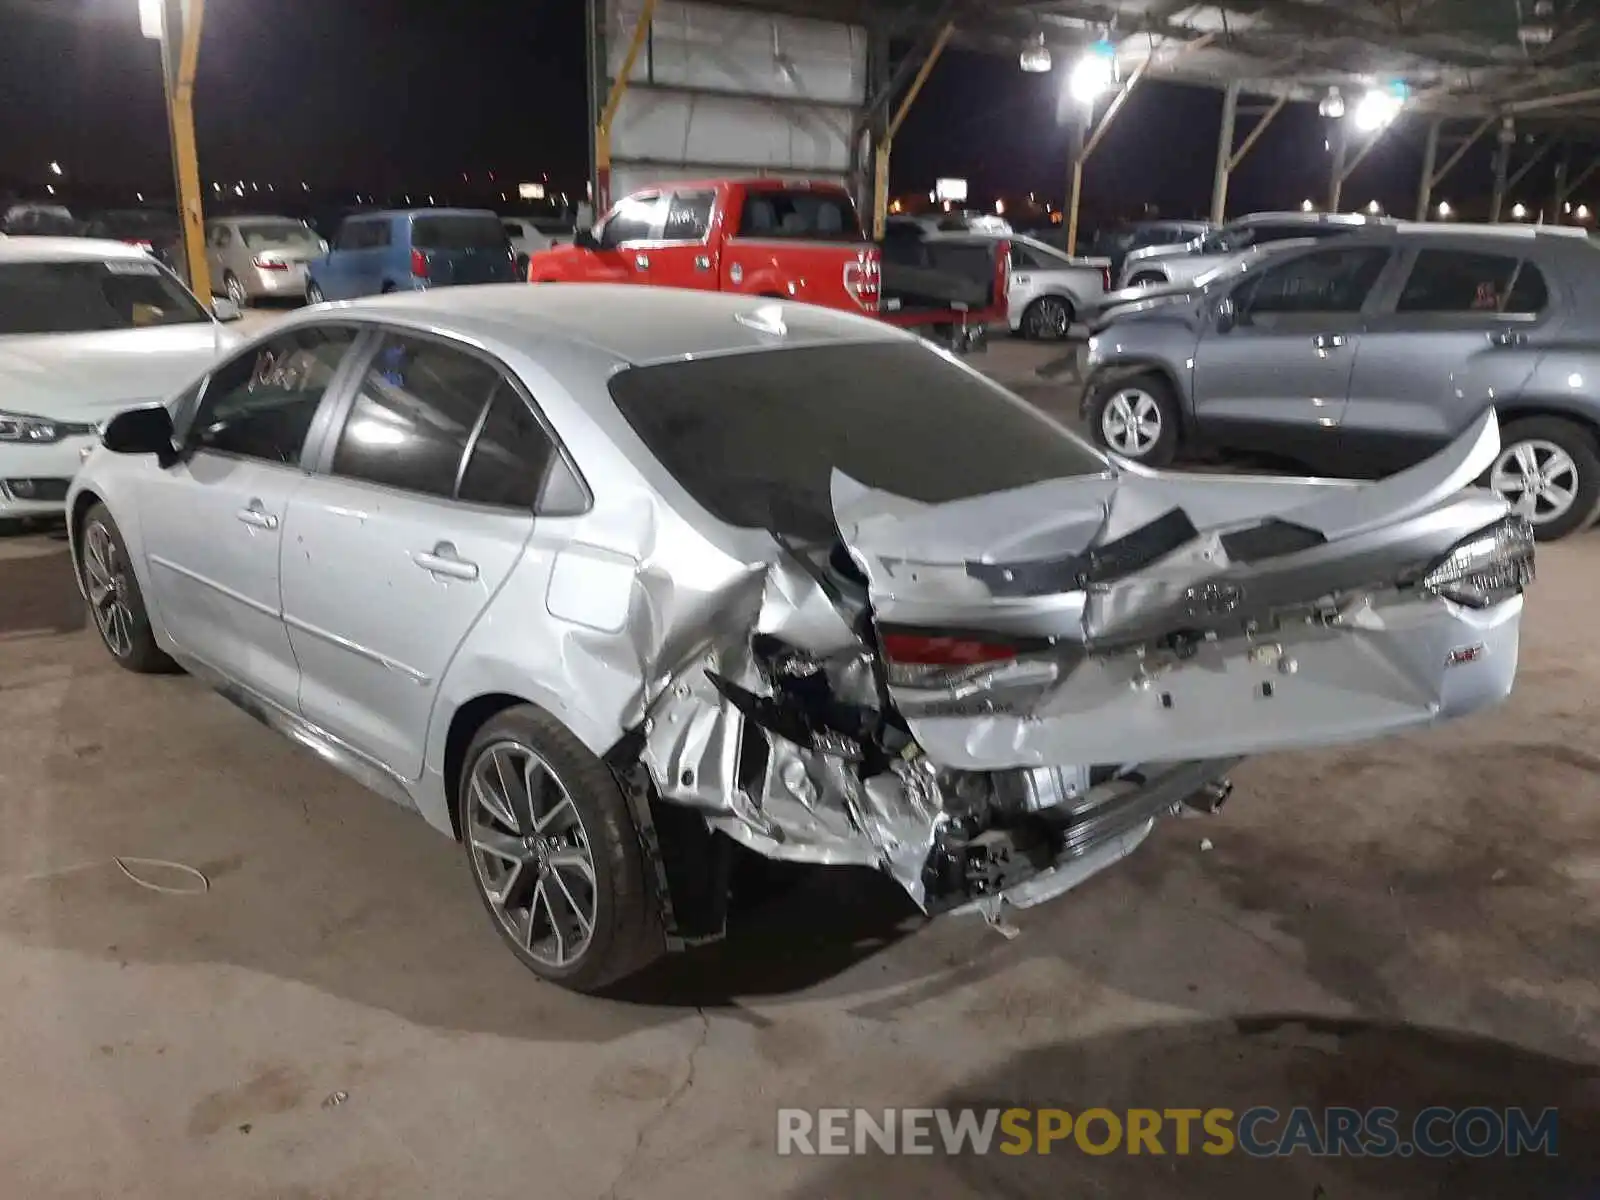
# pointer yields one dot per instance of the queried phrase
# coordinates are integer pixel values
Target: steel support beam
(1219, 178)
(1430, 157)
(880, 173)
(1087, 139)
(1582, 177)
(1339, 172)
(594, 83)
(619, 88)
(1521, 172)
(181, 22)
(1502, 168)
(1460, 151)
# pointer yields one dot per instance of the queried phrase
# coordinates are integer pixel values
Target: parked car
(1366, 355)
(1048, 290)
(529, 235)
(87, 329)
(949, 286)
(39, 220)
(1119, 242)
(553, 589)
(257, 258)
(1182, 263)
(1099, 314)
(964, 221)
(762, 237)
(152, 230)
(409, 250)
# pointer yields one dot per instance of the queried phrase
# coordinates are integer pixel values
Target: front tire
(1137, 418)
(554, 852)
(1047, 319)
(115, 601)
(235, 291)
(1549, 472)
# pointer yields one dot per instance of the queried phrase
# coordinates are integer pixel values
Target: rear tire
(1137, 418)
(115, 602)
(1548, 470)
(235, 290)
(1047, 319)
(314, 294)
(564, 877)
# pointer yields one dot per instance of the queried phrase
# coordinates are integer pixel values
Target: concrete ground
(1405, 923)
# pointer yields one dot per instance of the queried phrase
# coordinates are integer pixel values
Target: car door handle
(443, 560)
(641, 261)
(255, 515)
(1328, 341)
(1507, 337)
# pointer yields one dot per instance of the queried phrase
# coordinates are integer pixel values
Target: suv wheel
(1549, 472)
(1047, 319)
(1137, 418)
(554, 852)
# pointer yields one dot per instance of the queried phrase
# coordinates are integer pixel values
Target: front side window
(688, 216)
(417, 406)
(893, 416)
(1450, 281)
(262, 403)
(92, 297)
(633, 220)
(1324, 281)
(356, 235)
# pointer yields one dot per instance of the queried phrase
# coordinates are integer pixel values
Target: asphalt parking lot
(1410, 922)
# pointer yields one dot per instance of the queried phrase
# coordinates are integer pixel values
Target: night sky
(391, 95)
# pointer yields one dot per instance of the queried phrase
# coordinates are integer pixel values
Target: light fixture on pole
(1035, 57)
(1379, 107)
(1094, 74)
(1519, 211)
(1331, 105)
(1307, 206)
(55, 168)
(1444, 210)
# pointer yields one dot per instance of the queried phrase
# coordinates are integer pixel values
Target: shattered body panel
(994, 698)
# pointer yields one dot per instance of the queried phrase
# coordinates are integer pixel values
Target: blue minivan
(410, 250)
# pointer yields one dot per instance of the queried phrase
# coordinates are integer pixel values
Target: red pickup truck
(759, 237)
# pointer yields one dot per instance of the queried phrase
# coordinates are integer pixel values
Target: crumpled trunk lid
(1138, 614)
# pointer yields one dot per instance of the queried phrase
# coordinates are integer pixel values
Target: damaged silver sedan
(610, 582)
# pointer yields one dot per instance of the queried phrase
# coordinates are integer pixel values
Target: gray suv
(1188, 261)
(1362, 356)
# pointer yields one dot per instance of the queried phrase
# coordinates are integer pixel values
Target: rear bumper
(276, 284)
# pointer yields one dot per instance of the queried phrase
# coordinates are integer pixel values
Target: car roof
(632, 325)
(68, 249)
(1310, 218)
(390, 213)
(252, 218)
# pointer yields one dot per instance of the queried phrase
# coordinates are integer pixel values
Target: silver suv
(1364, 356)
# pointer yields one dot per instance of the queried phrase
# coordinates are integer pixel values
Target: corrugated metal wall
(720, 91)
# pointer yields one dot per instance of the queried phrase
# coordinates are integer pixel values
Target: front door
(413, 522)
(683, 256)
(217, 516)
(626, 240)
(1274, 378)
(1463, 329)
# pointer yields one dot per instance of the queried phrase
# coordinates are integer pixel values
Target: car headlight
(1492, 565)
(20, 427)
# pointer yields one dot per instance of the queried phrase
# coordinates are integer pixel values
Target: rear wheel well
(1510, 415)
(464, 725)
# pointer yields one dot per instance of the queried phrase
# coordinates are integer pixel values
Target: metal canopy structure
(1520, 68)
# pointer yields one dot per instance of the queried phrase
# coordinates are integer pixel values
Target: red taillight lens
(923, 650)
(266, 264)
(419, 264)
(1105, 278)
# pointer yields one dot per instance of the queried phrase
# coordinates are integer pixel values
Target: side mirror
(584, 239)
(1227, 314)
(224, 309)
(141, 431)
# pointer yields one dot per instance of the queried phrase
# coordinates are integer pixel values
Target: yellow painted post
(880, 190)
(185, 156)
(619, 86)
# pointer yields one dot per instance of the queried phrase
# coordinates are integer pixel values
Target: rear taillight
(934, 660)
(965, 675)
(267, 264)
(864, 280)
(419, 264)
(1105, 278)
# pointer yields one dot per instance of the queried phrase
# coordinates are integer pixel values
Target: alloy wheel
(107, 578)
(531, 853)
(235, 290)
(1049, 319)
(313, 294)
(1537, 478)
(1131, 422)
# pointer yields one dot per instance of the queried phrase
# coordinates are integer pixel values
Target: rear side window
(1449, 281)
(261, 404)
(754, 438)
(514, 463)
(799, 214)
(688, 216)
(413, 416)
(463, 232)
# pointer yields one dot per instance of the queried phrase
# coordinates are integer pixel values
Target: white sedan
(87, 329)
